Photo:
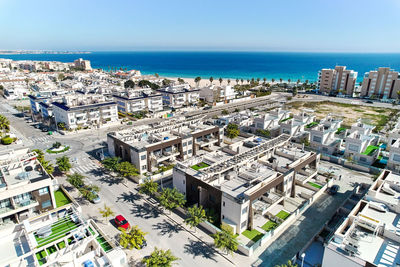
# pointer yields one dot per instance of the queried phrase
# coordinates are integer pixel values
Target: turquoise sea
(232, 65)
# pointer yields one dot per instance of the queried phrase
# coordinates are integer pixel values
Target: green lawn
(312, 124)
(370, 150)
(314, 185)
(288, 118)
(340, 130)
(282, 214)
(41, 257)
(61, 198)
(103, 243)
(51, 250)
(199, 166)
(270, 225)
(253, 235)
(61, 245)
(59, 230)
(92, 231)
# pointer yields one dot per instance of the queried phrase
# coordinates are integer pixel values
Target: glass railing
(6, 209)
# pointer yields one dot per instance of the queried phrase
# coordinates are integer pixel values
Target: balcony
(6, 209)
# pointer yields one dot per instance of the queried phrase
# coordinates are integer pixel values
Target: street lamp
(302, 258)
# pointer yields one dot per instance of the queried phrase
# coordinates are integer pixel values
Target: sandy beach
(206, 82)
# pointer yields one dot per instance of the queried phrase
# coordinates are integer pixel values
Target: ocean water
(246, 65)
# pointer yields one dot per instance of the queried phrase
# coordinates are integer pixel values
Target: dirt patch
(350, 113)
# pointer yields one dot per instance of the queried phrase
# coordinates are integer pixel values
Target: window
(223, 217)
(211, 198)
(184, 144)
(324, 149)
(244, 224)
(144, 167)
(190, 142)
(363, 159)
(143, 157)
(46, 204)
(223, 203)
(189, 151)
(43, 191)
(396, 157)
(183, 181)
(244, 211)
(317, 139)
(353, 148)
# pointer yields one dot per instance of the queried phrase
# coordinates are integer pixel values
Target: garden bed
(314, 185)
(253, 235)
(370, 150)
(270, 225)
(282, 215)
(61, 198)
(57, 150)
(200, 166)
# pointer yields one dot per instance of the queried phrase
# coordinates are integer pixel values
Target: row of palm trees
(252, 80)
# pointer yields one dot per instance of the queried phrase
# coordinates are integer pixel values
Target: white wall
(179, 180)
(334, 259)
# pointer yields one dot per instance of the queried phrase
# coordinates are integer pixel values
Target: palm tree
(197, 80)
(4, 124)
(248, 80)
(237, 81)
(280, 80)
(241, 80)
(298, 81)
(196, 215)
(106, 212)
(258, 80)
(252, 80)
(211, 79)
(272, 80)
(229, 81)
(264, 79)
(220, 81)
(289, 80)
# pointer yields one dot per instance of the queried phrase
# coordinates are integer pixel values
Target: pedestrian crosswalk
(84, 167)
(42, 139)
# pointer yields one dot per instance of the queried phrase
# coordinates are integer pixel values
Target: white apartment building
(361, 144)
(213, 93)
(323, 136)
(337, 80)
(132, 101)
(369, 236)
(295, 125)
(270, 121)
(82, 64)
(85, 110)
(382, 83)
(177, 96)
(26, 189)
(163, 144)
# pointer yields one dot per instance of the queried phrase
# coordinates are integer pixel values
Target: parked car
(45, 129)
(120, 221)
(369, 101)
(37, 126)
(333, 189)
(97, 199)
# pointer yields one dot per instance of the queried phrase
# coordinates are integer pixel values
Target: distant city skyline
(286, 26)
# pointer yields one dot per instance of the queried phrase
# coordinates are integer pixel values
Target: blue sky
(252, 25)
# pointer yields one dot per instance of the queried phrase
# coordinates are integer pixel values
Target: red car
(120, 221)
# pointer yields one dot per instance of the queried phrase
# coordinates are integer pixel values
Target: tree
(149, 187)
(272, 80)
(126, 169)
(111, 163)
(398, 94)
(61, 76)
(181, 81)
(265, 80)
(224, 112)
(241, 80)
(47, 166)
(159, 258)
(220, 81)
(156, 74)
(232, 131)
(197, 80)
(237, 109)
(289, 80)
(76, 180)
(258, 80)
(211, 80)
(106, 212)
(129, 84)
(280, 80)
(289, 264)
(63, 164)
(196, 215)
(4, 124)
(294, 91)
(89, 191)
(229, 81)
(171, 198)
(133, 238)
(237, 81)
(226, 241)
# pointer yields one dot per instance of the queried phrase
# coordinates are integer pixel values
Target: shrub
(6, 140)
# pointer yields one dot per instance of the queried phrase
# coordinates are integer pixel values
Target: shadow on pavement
(109, 180)
(97, 172)
(167, 228)
(145, 211)
(200, 249)
(129, 197)
(135, 262)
